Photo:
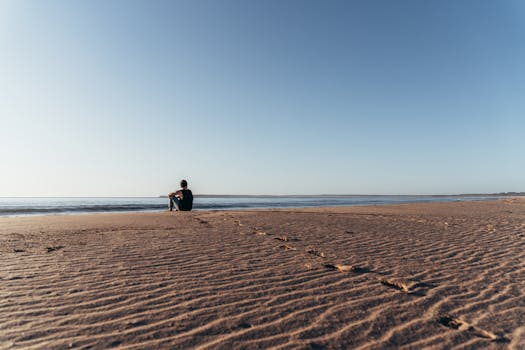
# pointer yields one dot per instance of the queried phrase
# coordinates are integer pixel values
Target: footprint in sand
(202, 221)
(455, 323)
(315, 252)
(285, 238)
(417, 289)
(395, 284)
(347, 268)
(238, 222)
(53, 249)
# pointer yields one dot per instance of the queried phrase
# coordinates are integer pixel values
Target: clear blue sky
(125, 98)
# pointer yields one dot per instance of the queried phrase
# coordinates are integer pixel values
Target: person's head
(183, 183)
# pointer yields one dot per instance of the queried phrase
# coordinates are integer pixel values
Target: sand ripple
(434, 276)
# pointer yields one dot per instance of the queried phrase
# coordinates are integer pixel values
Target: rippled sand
(440, 276)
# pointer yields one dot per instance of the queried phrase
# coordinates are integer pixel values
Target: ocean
(58, 206)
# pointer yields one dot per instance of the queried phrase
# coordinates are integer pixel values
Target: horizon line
(509, 193)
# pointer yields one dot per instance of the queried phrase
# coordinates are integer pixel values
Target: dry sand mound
(440, 276)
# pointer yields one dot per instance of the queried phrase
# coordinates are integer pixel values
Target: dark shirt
(186, 204)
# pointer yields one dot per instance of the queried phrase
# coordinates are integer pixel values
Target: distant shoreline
(13, 207)
(502, 194)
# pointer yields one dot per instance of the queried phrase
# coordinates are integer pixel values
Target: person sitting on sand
(181, 199)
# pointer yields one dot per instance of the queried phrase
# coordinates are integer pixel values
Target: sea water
(55, 206)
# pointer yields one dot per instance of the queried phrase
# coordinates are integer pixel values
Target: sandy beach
(416, 276)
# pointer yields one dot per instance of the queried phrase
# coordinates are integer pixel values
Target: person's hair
(183, 183)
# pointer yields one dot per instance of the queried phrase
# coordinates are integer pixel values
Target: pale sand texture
(440, 276)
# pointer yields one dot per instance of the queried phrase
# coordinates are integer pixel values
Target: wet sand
(417, 276)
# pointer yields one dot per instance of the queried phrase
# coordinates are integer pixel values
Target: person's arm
(176, 194)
